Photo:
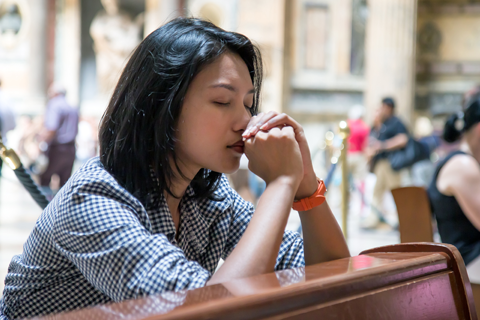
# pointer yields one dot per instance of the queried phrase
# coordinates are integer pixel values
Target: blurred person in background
(357, 141)
(387, 134)
(28, 146)
(58, 136)
(455, 188)
(422, 171)
(7, 119)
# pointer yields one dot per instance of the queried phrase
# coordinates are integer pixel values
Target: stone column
(342, 37)
(267, 31)
(390, 55)
(37, 56)
(67, 48)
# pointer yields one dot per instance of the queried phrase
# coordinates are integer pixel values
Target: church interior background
(321, 58)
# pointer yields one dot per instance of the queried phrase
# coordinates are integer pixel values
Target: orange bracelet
(313, 201)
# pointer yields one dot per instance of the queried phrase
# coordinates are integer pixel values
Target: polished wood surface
(415, 225)
(461, 284)
(407, 281)
(414, 214)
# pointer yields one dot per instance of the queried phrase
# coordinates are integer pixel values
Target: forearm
(257, 251)
(322, 236)
(48, 135)
(253, 285)
(397, 142)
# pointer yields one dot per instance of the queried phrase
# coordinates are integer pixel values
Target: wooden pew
(405, 281)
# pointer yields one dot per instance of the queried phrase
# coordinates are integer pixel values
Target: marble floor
(18, 213)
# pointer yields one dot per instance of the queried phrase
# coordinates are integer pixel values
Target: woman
(155, 212)
(455, 187)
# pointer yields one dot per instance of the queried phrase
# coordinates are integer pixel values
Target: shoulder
(397, 122)
(92, 199)
(395, 125)
(93, 171)
(92, 179)
(461, 165)
(458, 172)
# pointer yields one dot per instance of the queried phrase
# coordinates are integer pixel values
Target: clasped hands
(276, 147)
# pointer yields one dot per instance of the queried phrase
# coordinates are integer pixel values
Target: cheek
(200, 132)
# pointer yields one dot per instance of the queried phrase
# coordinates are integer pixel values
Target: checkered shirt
(96, 243)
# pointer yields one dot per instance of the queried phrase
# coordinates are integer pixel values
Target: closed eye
(222, 103)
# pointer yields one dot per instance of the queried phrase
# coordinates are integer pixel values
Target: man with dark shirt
(387, 134)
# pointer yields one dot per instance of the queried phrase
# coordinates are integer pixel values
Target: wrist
(383, 146)
(316, 199)
(307, 187)
(289, 181)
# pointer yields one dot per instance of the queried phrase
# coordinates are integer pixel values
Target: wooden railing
(406, 281)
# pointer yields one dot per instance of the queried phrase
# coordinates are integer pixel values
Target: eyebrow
(229, 87)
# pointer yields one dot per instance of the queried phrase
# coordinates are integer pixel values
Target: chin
(227, 169)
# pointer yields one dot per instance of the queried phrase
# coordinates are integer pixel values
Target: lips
(238, 146)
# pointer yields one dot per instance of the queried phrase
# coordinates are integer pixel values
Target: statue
(115, 35)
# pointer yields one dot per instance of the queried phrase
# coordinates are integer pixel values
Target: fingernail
(244, 139)
(264, 126)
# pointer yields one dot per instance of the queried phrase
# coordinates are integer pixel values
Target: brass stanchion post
(9, 156)
(13, 161)
(344, 134)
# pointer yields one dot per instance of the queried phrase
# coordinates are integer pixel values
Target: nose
(242, 119)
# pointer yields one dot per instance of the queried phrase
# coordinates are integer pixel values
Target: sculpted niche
(115, 35)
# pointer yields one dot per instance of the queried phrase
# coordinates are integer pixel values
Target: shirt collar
(196, 218)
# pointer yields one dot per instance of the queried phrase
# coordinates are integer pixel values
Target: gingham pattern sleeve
(105, 240)
(290, 254)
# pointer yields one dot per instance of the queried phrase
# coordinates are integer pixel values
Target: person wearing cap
(455, 187)
(387, 135)
(60, 130)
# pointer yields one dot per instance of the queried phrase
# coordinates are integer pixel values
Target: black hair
(137, 131)
(389, 102)
(461, 122)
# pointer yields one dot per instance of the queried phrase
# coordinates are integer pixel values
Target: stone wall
(448, 55)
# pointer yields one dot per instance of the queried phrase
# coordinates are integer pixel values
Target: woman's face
(214, 115)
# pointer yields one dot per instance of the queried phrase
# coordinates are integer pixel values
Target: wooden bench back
(414, 214)
(401, 282)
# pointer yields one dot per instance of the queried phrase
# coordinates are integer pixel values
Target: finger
(288, 130)
(264, 119)
(279, 120)
(254, 126)
(274, 131)
(253, 122)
